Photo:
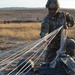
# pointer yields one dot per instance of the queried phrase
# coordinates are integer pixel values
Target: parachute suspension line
(49, 41)
(17, 53)
(28, 59)
(23, 54)
(13, 50)
(19, 50)
(39, 49)
(37, 44)
(42, 52)
(36, 60)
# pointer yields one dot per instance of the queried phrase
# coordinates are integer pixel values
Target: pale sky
(35, 3)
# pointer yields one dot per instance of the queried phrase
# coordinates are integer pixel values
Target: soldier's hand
(65, 27)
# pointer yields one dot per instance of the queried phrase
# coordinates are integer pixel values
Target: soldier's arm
(44, 27)
(69, 20)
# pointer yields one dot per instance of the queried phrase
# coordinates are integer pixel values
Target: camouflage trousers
(69, 49)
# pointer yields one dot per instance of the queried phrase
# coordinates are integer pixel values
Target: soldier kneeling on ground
(53, 20)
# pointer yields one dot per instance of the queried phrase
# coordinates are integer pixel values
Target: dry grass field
(26, 31)
(18, 33)
(14, 34)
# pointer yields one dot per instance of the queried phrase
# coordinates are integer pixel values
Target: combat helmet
(52, 4)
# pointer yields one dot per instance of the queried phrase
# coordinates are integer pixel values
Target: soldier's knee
(71, 43)
(70, 47)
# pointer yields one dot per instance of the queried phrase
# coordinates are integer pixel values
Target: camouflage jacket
(51, 23)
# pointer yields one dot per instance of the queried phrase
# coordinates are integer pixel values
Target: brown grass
(25, 31)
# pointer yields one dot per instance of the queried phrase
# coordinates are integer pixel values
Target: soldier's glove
(65, 27)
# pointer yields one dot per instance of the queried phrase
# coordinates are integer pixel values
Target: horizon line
(33, 7)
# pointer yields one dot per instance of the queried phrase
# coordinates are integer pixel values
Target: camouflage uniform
(51, 23)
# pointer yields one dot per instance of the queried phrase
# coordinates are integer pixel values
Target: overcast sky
(34, 3)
